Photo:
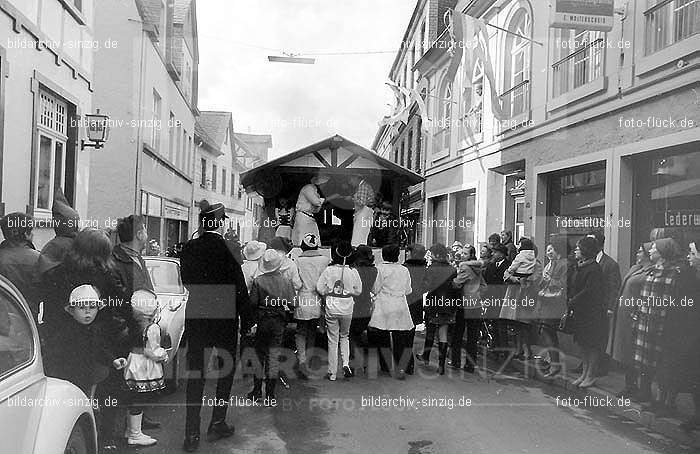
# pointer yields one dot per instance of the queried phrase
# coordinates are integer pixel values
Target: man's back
(210, 273)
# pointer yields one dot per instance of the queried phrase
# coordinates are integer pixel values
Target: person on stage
(363, 199)
(308, 204)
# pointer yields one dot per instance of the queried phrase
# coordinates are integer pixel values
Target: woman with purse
(551, 300)
(587, 317)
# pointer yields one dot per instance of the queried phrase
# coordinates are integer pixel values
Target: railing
(575, 70)
(669, 22)
(516, 100)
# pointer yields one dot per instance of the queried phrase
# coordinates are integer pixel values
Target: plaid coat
(659, 286)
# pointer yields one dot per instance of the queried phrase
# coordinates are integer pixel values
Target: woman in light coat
(391, 313)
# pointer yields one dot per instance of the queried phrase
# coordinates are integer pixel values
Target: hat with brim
(270, 262)
(320, 179)
(82, 294)
(213, 214)
(253, 250)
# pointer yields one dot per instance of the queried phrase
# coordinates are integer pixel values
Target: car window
(165, 276)
(16, 339)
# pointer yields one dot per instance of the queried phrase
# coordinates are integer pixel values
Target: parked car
(172, 295)
(38, 414)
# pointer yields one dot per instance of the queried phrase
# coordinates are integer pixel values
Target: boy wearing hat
(271, 297)
(311, 264)
(77, 351)
(252, 252)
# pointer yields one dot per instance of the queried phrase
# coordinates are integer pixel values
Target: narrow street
(508, 414)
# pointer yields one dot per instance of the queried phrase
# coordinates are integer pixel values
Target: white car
(172, 296)
(38, 414)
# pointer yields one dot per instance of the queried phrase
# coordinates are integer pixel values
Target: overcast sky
(299, 104)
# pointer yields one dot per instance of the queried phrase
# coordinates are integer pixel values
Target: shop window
(52, 129)
(578, 59)
(667, 191)
(439, 219)
(465, 203)
(576, 202)
(667, 22)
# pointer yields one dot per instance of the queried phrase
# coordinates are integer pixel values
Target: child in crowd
(339, 284)
(271, 296)
(78, 350)
(524, 263)
(252, 252)
(311, 264)
(144, 366)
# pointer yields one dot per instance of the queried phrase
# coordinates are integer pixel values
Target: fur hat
(85, 293)
(253, 250)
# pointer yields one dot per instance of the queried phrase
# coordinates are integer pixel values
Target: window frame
(55, 136)
(512, 48)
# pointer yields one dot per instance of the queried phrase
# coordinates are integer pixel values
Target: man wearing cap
(308, 204)
(252, 252)
(218, 294)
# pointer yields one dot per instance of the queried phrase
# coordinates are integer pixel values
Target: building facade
(599, 129)
(148, 86)
(404, 143)
(46, 62)
(251, 150)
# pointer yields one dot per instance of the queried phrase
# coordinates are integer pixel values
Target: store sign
(679, 218)
(154, 205)
(585, 14)
(174, 211)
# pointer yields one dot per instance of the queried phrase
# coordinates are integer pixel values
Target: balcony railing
(669, 22)
(516, 100)
(578, 69)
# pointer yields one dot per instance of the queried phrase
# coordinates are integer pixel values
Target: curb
(669, 427)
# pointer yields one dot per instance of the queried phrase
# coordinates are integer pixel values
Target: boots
(442, 358)
(270, 397)
(256, 394)
(425, 356)
(136, 437)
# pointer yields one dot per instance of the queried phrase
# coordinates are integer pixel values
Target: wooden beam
(348, 161)
(321, 159)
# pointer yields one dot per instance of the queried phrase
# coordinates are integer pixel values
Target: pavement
(497, 410)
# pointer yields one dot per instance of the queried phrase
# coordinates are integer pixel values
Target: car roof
(161, 259)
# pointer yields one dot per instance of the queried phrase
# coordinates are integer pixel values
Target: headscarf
(668, 249)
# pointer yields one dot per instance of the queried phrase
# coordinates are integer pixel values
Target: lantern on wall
(97, 130)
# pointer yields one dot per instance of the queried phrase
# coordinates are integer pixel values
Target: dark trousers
(202, 335)
(396, 345)
(473, 326)
(268, 346)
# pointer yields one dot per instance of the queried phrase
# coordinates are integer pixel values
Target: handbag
(566, 324)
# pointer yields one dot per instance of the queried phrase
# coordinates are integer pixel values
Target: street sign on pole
(582, 14)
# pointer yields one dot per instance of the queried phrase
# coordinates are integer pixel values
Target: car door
(22, 380)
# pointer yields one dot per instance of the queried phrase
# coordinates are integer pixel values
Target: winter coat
(131, 270)
(419, 283)
(18, 264)
(272, 295)
(443, 298)
(587, 299)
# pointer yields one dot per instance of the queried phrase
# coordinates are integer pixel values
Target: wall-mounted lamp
(97, 131)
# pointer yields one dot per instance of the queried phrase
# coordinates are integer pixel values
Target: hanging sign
(582, 14)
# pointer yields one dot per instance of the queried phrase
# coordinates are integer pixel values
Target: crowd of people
(98, 313)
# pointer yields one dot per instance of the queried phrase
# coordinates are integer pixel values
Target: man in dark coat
(417, 268)
(66, 224)
(131, 268)
(18, 257)
(507, 241)
(218, 294)
(613, 280)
